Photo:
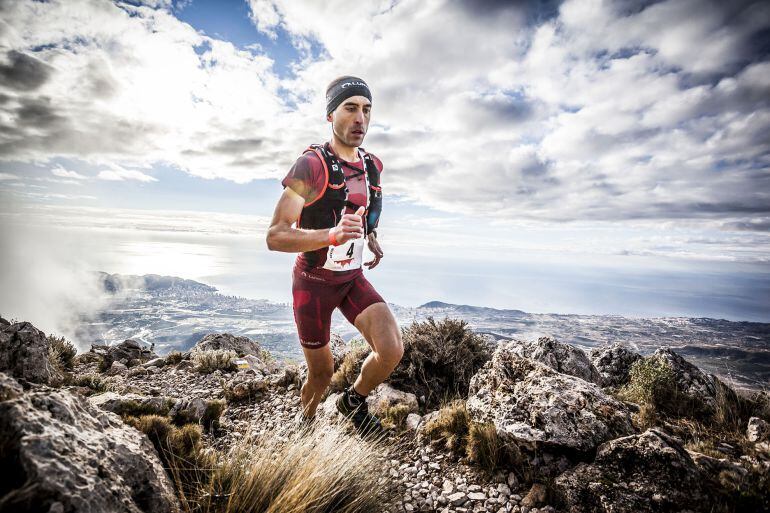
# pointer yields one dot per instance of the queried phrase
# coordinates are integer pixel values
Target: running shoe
(366, 423)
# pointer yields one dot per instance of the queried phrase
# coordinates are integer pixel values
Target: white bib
(346, 256)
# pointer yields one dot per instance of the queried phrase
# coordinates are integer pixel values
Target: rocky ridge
(554, 404)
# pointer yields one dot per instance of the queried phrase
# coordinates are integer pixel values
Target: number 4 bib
(346, 256)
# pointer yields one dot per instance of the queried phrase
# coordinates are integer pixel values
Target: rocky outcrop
(130, 353)
(24, 354)
(559, 356)
(60, 453)
(534, 406)
(614, 363)
(758, 430)
(648, 472)
(229, 342)
(696, 391)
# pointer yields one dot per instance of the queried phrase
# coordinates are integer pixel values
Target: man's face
(350, 120)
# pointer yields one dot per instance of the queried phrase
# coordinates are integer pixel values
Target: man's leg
(378, 326)
(320, 367)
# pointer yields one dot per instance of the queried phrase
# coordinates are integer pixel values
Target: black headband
(342, 89)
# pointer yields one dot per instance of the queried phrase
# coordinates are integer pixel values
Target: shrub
(266, 356)
(214, 409)
(209, 361)
(318, 471)
(349, 368)
(92, 381)
(174, 357)
(440, 358)
(61, 353)
(139, 409)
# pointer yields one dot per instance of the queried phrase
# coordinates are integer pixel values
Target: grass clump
(395, 416)
(212, 360)
(349, 368)
(484, 448)
(174, 357)
(321, 471)
(133, 408)
(92, 381)
(450, 428)
(61, 353)
(440, 358)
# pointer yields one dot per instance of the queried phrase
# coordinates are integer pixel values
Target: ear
(329, 116)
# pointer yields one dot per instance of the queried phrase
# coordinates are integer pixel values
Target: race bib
(346, 256)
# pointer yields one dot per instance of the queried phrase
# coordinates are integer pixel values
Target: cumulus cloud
(544, 111)
(64, 173)
(117, 173)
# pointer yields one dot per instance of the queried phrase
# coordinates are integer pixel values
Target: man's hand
(351, 226)
(375, 248)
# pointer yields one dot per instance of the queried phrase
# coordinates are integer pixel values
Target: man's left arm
(373, 243)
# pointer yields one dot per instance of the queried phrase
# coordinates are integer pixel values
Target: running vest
(326, 210)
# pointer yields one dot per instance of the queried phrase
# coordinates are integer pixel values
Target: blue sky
(573, 157)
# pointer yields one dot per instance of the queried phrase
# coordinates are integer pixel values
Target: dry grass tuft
(94, 382)
(174, 357)
(207, 362)
(484, 448)
(319, 471)
(450, 428)
(349, 368)
(395, 416)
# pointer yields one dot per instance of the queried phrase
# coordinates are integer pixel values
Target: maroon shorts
(315, 300)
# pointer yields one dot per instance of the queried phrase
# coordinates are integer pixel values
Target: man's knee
(392, 350)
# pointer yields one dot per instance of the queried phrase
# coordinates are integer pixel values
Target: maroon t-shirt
(306, 177)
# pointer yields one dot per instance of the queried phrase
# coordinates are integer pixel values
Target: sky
(585, 156)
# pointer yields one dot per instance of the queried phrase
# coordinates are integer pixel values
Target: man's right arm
(281, 236)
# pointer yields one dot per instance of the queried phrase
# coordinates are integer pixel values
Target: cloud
(117, 173)
(550, 112)
(60, 171)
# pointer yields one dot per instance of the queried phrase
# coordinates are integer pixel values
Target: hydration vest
(326, 210)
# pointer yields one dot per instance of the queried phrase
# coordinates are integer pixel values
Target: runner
(333, 194)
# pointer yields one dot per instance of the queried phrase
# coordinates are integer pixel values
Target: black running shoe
(366, 423)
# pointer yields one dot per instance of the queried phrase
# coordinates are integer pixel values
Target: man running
(333, 194)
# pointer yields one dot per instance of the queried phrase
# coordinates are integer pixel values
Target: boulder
(758, 430)
(696, 390)
(24, 354)
(413, 421)
(61, 453)
(4, 322)
(559, 356)
(534, 406)
(130, 353)
(385, 396)
(245, 386)
(614, 363)
(241, 345)
(132, 404)
(116, 369)
(641, 473)
(9, 387)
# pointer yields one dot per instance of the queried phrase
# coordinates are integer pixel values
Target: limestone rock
(24, 354)
(758, 430)
(9, 387)
(696, 387)
(644, 473)
(534, 406)
(614, 363)
(245, 387)
(227, 341)
(385, 396)
(130, 352)
(132, 404)
(116, 369)
(413, 421)
(559, 356)
(339, 349)
(64, 454)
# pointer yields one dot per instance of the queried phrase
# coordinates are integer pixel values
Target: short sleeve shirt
(306, 177)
